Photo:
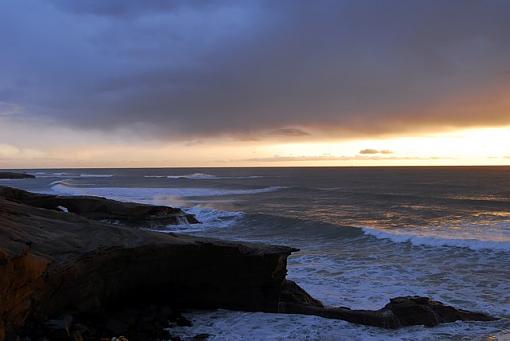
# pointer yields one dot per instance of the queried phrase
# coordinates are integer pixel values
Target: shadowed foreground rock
(70, 272)
(53, 262)
(15, 175)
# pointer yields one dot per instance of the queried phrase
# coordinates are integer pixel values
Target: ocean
(365, 235)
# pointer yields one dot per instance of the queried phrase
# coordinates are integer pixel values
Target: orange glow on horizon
(482, 146)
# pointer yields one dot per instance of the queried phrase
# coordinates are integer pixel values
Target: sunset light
(254, 170)
(484, 146)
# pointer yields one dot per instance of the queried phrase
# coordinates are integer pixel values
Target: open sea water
(365, 235)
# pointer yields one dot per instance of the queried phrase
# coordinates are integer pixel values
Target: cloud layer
(290, 69)
(375, 151)
(305, 158)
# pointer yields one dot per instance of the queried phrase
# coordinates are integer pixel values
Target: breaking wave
(69, 175)
(145, 194)
(210, 218)
(202, 176)
(435, 241)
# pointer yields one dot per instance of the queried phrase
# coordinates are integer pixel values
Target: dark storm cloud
(229, 67)
(288, 132)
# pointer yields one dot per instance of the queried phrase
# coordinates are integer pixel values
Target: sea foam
(228, 325)
(210, 218)
(435, 241)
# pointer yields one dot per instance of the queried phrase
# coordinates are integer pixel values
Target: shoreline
(56, 262)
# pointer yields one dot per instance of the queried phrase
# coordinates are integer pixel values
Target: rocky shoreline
(15, 175)
(68, 273)
(101, 209)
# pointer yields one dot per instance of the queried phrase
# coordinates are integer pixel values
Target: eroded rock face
(98, 208)
(21, 277)
(293, 293)
(15, 175)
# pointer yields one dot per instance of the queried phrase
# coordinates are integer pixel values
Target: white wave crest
(69, 175)
(202, 176)
(55, 175)
(194, 176)
(214, 218)
(96, 175)
(209, 218)
(144, 194)
(435, 241)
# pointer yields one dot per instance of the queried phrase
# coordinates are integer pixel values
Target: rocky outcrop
(54, 263)
(98, 208)
(15, 175)
(416, 310)
(400, 312)
(51, 262)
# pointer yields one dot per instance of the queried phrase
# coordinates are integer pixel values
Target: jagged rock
(293, 293)
(98, 208)
(14, 175)
(400, 312)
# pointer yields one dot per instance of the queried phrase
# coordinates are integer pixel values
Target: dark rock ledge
(15, 175)
(97, 208)
(399, 312)
(68, 276)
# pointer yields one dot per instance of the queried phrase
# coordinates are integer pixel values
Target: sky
(189, 83)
